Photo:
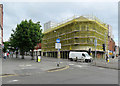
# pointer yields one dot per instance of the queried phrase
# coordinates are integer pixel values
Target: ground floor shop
(65, 54)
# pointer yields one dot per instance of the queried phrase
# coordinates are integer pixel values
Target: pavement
(23, 66)
(112, 64)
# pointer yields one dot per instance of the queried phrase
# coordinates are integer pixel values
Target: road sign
(58, 40)
(95, 42)
(58, 45)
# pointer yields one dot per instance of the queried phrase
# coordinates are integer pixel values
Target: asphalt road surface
(77, 73)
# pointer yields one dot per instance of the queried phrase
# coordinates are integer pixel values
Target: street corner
(59, 69)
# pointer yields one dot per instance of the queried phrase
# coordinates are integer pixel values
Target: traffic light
(103, 45)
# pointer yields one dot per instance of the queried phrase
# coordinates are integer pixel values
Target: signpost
(58, 40)
(58, 46)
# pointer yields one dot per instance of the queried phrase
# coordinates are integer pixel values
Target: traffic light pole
(105, 45)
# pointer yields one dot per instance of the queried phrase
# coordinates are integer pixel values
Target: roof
(76, 19)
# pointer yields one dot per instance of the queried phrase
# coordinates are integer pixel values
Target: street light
(95, 43)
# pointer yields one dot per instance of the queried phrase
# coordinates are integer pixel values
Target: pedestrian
(5, 55)
(8, 54)
(106, 58)
(12, 54)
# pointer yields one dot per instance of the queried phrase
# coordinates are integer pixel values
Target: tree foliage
(26, 36)
(6, 44)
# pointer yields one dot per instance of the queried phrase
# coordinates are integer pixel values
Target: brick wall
(111, 44)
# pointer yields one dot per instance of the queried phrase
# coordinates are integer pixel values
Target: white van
(80, 56)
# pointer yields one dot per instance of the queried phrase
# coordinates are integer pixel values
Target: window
(87, 28)
(83, 54)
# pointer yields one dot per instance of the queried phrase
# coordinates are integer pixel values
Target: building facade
(37, 50)
(111, 45)
(76, 34)
(49, 25)
(1, 28)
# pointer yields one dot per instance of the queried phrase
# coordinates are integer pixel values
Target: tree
(6, 44)
(26, 36)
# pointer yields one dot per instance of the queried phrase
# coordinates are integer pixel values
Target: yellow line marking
(8, 75)
(60, 69)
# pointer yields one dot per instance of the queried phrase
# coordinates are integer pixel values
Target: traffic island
(7, 75)
(58, 69)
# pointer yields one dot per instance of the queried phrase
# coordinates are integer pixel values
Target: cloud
(15, 12)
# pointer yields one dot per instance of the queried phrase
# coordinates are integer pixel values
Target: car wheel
(71, 59)
(76, 59)
(89, 60)
(86, 60)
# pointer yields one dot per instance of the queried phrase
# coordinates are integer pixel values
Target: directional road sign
(58, 40)
(58, 45)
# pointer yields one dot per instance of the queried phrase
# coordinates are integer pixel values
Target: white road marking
(25, 65)
(28, 65)
(57, 62)
(71, 64)
(78, 66)
(12, 81)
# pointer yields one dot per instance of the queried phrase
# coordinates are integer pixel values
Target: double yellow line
(58, 69)
(8, 75)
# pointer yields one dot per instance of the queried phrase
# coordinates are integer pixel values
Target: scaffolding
(76, 34)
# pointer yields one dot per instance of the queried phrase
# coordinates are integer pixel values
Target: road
(76, 73)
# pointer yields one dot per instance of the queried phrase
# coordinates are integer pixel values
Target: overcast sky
(15, 12)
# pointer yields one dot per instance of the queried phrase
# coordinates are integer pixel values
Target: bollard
(107, 60)
(38, 59)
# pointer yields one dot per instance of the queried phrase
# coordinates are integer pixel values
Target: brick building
(111, 44)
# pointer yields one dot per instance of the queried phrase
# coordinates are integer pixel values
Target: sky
(15, 12)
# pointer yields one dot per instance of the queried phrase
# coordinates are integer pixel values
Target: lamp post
(95, 43)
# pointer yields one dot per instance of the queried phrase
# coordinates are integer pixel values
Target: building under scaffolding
(76, 34)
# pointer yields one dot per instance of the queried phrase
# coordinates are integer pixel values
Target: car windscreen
(86, 55)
